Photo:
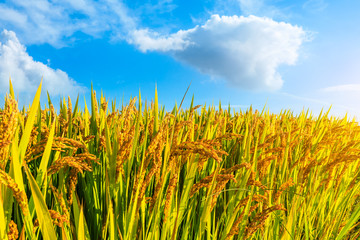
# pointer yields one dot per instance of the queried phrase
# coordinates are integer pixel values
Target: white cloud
(41, 22)
(245, 51)
(54, 22)
(27, 73)
(12, 16)
(147, 40)
(343, 88)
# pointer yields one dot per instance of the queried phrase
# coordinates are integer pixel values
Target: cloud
(245, 51)
(147, 40)
(36, 21)
(55, 22)
(27, 73)
(343, 88)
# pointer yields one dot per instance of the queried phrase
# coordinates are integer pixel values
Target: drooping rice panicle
(61, 202)
(19, 195)
(8, 124)
(13, 232)
(140, 172)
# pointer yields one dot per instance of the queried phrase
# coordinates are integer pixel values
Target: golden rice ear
(142, 173)
(8, 124)
(18, 194)
(13, 232)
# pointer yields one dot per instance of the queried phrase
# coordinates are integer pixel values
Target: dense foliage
(143, 173)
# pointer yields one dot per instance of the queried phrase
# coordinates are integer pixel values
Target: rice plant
(140, 172)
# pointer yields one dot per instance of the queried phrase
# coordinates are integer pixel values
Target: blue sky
(285, 54)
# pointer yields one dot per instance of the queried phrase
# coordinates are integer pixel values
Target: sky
(278, 54)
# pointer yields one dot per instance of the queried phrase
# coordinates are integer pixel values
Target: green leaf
(111, 153)
(49, 99)
(76, 107)
(42, 211)
(354, 218)
(94, 113)
(188, 183)
(81, 229)
(46, 156)
(156, 112)
(78, 210)
(29, 123)
(205, 215)
(112, 226)
(3, 234)
(16, 173)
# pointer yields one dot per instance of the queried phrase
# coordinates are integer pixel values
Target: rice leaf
(12, 94)
(29, 123)
(156, 113)
(81, 227)
(3, 223)
(16, 173)
(42, 211)
(46, 156)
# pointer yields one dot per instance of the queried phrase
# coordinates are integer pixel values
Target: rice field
(139, 172)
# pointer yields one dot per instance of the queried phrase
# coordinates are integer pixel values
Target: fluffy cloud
(27, 73)
(245, 51)
(146, 40)
(55, 22)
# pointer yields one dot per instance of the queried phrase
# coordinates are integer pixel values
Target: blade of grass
(29, 123)
(41, 172)
(3, 223)
(81, 228)
(12, 94)
(355, 216)
(42, 211)
(16, 173)
(156, 113)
